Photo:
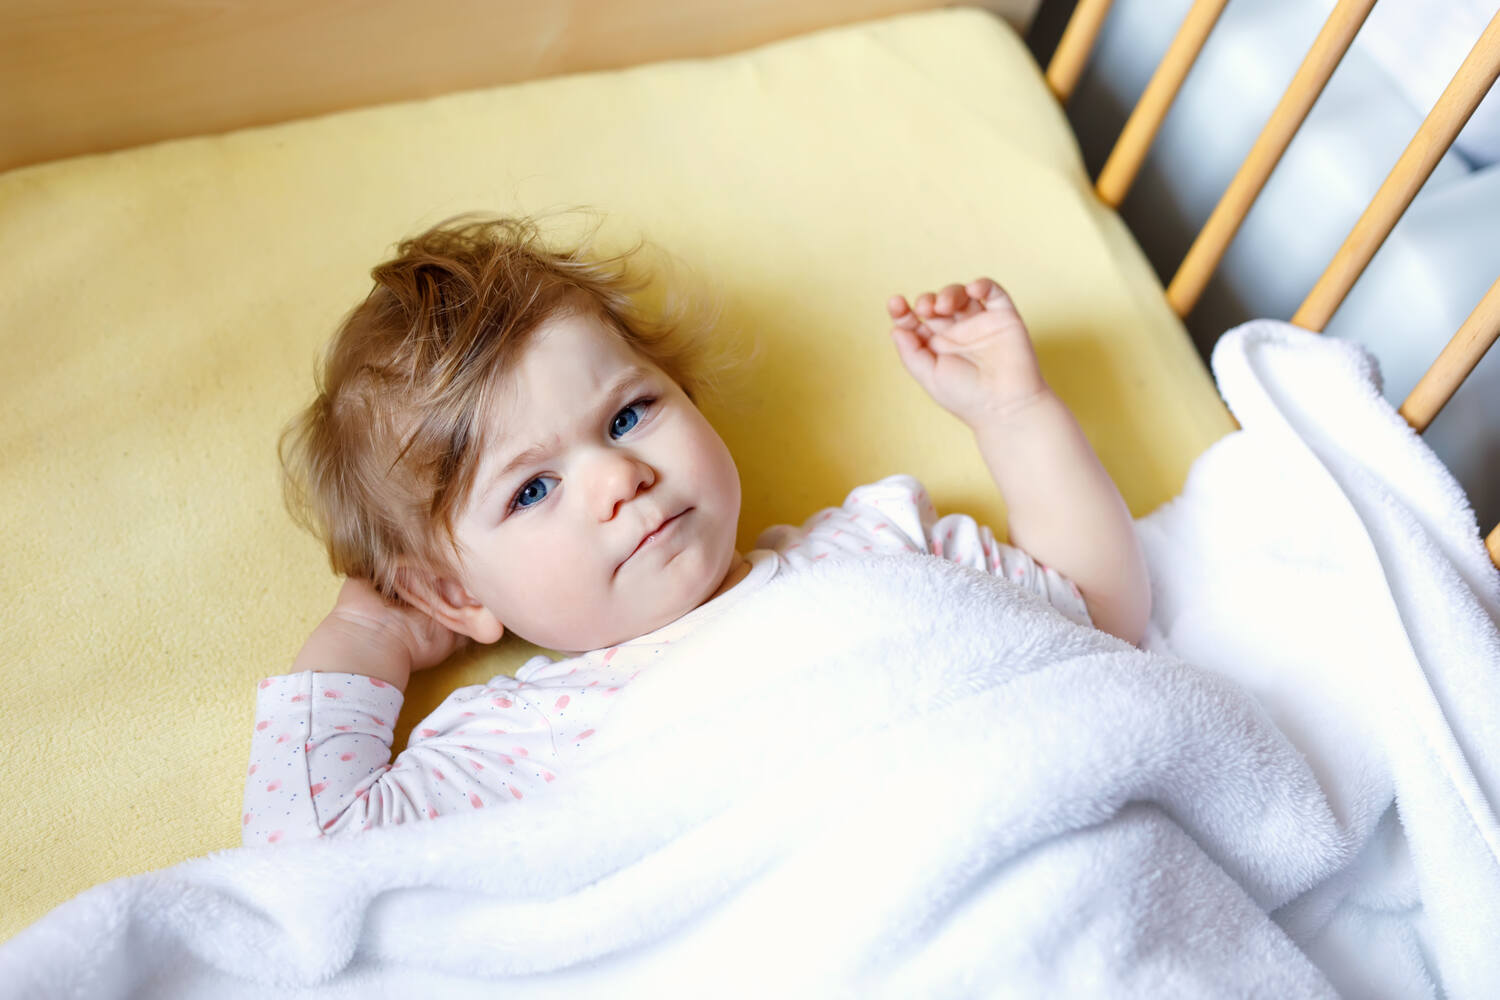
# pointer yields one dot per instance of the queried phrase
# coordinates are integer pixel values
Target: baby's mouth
(652, 536)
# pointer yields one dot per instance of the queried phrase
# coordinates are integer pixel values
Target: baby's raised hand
(967, 346)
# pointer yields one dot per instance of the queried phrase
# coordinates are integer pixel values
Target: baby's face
(605, 505)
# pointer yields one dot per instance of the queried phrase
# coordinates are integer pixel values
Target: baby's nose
(622, 477)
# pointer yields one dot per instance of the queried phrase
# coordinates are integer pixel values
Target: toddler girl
(502, 440)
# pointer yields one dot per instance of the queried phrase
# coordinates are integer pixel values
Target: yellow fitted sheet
(161, 308)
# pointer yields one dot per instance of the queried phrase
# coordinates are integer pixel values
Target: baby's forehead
(568, 369)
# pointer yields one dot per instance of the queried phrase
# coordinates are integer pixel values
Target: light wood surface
(1476, 336)
(1213, 239)
(1434, 136)
(1457, 360)
(1072, 52)
(1140, 130)
(80, 76)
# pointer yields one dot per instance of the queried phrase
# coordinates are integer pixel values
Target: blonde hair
(380, 464)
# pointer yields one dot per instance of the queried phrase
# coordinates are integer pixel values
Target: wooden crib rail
(1072, 53)
(1458, 359)
(1438, 130)
(1307, 84)
(1442, 125)
(1135, 139)
(1432, 392)
(1459, 99)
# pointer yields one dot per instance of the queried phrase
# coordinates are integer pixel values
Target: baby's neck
(737, 572)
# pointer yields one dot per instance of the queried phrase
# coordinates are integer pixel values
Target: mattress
(162, 309)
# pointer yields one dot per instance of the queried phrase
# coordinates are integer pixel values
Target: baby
(502, 440)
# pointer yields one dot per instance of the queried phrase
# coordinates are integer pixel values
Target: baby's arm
(321, 750)
(968, 347)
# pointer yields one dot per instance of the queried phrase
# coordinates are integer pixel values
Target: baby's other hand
(366, 634)
(421, 637)
(967, 346)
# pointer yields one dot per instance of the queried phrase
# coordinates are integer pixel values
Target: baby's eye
(533, 493)
(627, 418)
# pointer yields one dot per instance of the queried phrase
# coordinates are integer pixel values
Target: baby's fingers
(905, 318)
(901, 313)
(950, 305)
(911, 337)
(950, 300)
(915, 355)
(987, 291)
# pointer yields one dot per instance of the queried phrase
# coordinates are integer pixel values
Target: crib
(192, 196)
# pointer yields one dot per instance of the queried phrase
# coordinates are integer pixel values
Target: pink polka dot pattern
(325, 740)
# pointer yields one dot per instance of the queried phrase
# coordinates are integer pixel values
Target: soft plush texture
(964, 794)
(162, 309)
(1326, 560)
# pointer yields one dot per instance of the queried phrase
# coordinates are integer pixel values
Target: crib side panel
(1442, 125)
(79, 76)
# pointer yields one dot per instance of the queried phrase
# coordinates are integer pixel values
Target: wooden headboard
(80, 76)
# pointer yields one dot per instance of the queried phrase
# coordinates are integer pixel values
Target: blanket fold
(1325, 559)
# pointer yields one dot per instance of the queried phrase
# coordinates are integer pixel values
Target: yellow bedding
(161, 309)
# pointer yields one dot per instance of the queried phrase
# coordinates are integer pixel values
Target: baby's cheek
(537, 589)
(713, 461)
(559, 581)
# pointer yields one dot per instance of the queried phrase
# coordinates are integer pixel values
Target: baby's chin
(581, 637)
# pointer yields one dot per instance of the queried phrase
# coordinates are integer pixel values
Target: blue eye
(533, 493)
(627, 418)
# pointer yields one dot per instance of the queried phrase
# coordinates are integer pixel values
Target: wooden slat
(1145, 120)
(1493, 544)
(1072, 53)
(1213, 239)
(1436, 134)
(1454, 364)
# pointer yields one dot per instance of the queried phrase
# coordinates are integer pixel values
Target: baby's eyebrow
(535, 453)
(626, 379)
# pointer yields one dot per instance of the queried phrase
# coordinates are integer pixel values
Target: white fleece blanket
(1327, 561)
(923, 782)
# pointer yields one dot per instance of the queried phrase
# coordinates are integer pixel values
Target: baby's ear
(446, 601)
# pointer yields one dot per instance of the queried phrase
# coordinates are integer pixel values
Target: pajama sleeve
(320, 757)
(305, 722)
(902, 503)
